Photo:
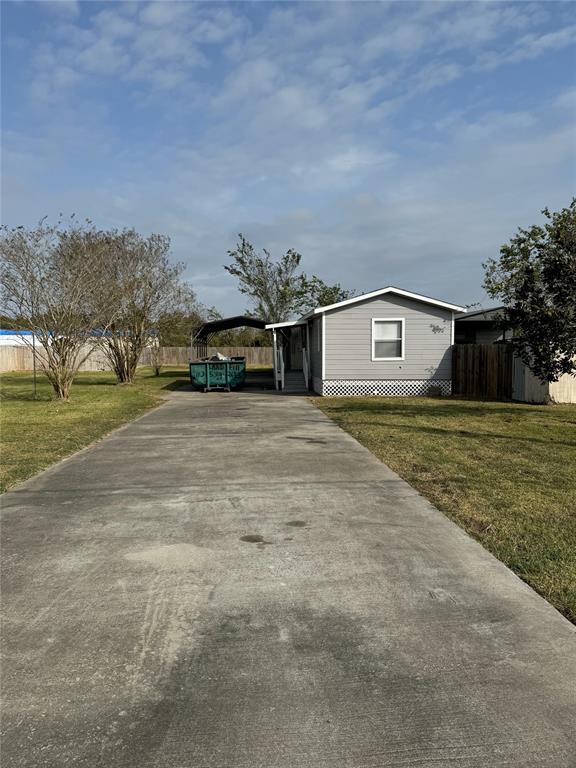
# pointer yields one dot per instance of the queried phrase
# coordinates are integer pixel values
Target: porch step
(294, 382)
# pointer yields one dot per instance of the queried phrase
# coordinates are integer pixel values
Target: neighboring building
(9, 338)
(527, 388)
(483, 327)
(387, 342)
(480, 327)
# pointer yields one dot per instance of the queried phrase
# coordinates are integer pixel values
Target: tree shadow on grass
(178, 384)
(472, 435)
(434, 408)
(26, 397)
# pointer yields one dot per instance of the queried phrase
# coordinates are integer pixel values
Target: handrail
(305, 366)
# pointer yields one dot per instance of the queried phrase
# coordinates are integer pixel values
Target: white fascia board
(288, 324)
(382, 292)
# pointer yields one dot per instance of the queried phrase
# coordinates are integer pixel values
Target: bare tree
(144, 285)
(49, 277)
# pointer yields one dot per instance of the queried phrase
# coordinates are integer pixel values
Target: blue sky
(390, 143)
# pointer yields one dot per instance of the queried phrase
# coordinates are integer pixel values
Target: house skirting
(383, 387)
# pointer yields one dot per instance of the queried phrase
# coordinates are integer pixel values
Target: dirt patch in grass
(505, 472)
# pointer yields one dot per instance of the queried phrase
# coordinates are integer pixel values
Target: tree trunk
(61, 383)
(123, 357)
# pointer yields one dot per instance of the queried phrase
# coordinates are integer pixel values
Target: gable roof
(382, 292)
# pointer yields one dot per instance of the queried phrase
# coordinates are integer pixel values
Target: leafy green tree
(319, 294)
(535, 278)
(279, 289)
(174, 328)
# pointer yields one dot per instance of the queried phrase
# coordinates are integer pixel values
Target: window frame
(402, 339)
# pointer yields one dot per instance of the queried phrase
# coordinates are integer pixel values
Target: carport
(202, 336)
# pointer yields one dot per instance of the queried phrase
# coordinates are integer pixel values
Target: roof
(482, 315)
(382, 292)
(287, 324)
(225, 323)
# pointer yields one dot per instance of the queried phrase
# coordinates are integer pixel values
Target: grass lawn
(504, 472)
(35, 433)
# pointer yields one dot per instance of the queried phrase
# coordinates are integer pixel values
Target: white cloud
(436, 74)
(529, 47)
(403, 39)
(255, 77)
(356, 159)
(566, 99)
(114, 24)
(102, 57)
(274, 124)
(69, 8)
(162, 13)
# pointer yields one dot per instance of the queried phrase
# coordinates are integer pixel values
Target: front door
(295, 363)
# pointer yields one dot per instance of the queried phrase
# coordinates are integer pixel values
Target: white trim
(323, 345)
(452, 324)
(400, 320)
(288, 324)
(381, 292)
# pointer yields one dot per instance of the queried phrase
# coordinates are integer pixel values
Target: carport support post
(275, 361)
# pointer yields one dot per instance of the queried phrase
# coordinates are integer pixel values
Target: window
(388, 339)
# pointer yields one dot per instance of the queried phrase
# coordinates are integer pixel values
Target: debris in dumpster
(217, 356)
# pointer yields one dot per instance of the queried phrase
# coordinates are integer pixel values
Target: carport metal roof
(201, 336)
(205, 331)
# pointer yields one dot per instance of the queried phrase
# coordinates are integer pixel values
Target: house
(480, 327)
(387, 342)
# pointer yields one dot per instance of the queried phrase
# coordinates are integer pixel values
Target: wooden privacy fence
(485, 371)
(20, 358)
(261, 356)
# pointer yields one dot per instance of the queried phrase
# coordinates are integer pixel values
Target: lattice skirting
(385, 387)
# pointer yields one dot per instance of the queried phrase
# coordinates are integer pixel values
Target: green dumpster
(218, 374)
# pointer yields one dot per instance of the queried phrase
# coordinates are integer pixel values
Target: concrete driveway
(359, 629)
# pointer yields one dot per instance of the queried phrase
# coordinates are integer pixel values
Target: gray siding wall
(427, 343)
(316, 347)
